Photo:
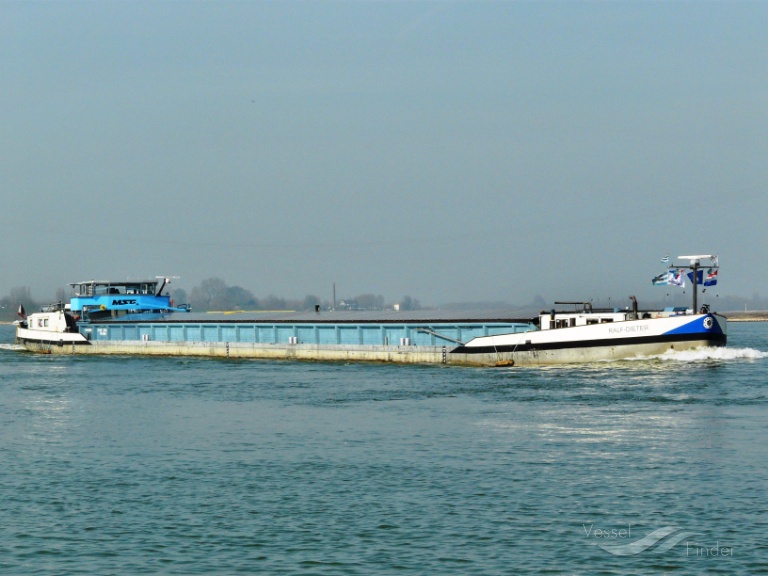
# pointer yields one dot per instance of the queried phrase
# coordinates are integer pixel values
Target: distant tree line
(215, 294)
(9, 305)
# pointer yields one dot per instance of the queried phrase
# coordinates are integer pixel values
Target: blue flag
(709, 280)
(699, 277)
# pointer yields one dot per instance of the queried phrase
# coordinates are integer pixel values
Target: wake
(14, 347)
(708, 353)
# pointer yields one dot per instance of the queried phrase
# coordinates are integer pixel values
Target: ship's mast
(695, 266)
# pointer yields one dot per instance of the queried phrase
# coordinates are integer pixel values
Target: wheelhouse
(123, 297)
(100, 288)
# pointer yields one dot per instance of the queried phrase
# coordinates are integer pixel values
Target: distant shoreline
(756, 316)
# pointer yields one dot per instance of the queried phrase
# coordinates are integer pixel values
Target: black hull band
(51, 343)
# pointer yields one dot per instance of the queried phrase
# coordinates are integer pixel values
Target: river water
(131, 465)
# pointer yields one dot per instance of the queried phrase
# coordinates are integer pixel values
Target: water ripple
(192, 466)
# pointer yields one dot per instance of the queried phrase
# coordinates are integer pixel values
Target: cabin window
(606, 320)
(591, 321)
(572, 322)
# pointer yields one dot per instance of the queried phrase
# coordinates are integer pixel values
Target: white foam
(11, 347)
(712, 353)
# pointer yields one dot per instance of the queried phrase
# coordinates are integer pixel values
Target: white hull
(47, 341)
(606, 341)
(579, 344)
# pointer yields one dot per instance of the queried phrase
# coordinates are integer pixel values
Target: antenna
(702, 257)
(166, 280)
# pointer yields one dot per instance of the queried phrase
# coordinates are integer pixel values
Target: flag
(660, 280)
(665, 259)
(22, 312)
(709, 280)
(699, 277)
(676, 278)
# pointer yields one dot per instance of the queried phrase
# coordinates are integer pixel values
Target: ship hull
(597, 342)
(648, 337)
(48, 342)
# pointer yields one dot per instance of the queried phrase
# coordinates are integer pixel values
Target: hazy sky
(449, 151)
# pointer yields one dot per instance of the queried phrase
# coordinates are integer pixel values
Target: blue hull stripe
(704, 326)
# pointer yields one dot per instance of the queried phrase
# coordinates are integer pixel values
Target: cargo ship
(136, 318)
